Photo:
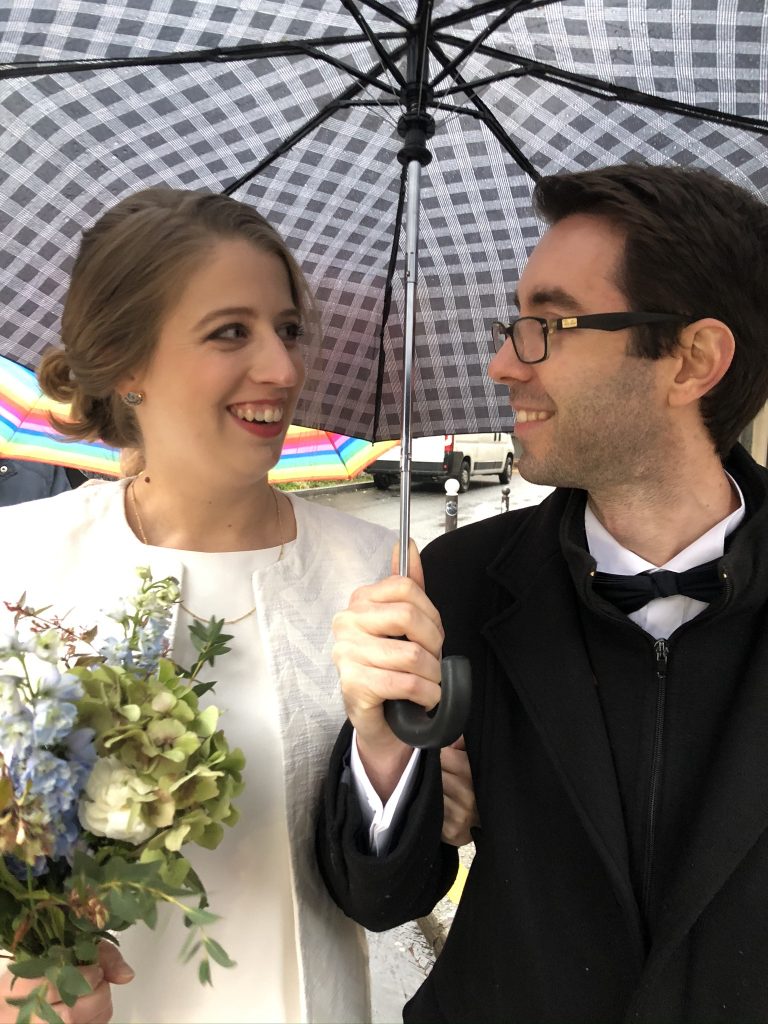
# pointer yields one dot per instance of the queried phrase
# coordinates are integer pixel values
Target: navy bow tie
(628, 593)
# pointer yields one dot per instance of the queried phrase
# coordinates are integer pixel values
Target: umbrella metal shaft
(412, 200)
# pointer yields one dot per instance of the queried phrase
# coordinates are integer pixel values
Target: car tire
(464, 476)
(381, 481)
(506, 474)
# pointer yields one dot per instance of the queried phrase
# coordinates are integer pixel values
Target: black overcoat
(548, 928)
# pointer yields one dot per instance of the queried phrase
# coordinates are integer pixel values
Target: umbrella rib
(642, 99)
(607, 90)
(388, 13)
(488, 119)
(307, 128)
(452, 107)
(217, 55)
(384, 56)
(387, 300)
(473, 44)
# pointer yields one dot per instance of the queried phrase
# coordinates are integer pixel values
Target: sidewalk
(400, 959)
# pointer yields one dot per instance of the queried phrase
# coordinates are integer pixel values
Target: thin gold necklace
(201, 618)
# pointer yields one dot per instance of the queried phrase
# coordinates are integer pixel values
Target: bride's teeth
(259, 415)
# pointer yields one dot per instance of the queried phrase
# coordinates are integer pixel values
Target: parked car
(443, 456)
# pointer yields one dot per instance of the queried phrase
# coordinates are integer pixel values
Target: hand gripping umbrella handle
(440, 727)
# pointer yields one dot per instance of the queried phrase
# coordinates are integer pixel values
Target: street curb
(332, 489)
(434, 931)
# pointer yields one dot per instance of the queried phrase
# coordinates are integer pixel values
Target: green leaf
(47, 1012)
(123, 904)
(202, 688)
(35, 1002)
(71, 984)
(188, 951)
(85, 950)
(150, 914)
(200, 917)
(218, 953)
(35, 967)
(204, 972)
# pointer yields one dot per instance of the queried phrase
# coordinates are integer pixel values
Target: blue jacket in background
(26, 481)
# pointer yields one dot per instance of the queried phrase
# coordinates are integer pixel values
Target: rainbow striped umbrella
(310, 454)
(26, 431)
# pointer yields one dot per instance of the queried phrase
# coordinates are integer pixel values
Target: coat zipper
(661, 649)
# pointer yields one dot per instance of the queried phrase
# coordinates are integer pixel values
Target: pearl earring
(133, 398)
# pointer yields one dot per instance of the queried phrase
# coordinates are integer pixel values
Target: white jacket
(74, 552)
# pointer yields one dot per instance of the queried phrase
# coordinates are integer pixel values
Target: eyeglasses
(530, 334)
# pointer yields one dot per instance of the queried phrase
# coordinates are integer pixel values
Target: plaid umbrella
(294, 106)
(301, 108)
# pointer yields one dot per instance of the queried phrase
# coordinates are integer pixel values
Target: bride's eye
(291, 333)
(229, 332)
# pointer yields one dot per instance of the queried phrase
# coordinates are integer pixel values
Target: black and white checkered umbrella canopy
(293, 106)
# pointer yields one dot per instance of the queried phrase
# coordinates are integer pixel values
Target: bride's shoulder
(329, 524)
(71, 512)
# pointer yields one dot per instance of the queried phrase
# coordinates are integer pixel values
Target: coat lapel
(538, 640)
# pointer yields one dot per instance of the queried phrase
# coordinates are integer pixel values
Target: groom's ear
(701, 359)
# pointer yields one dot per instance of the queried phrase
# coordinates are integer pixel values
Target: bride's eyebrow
(217, 314)
(244, 311)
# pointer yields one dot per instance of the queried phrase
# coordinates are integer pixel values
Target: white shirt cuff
(380, 819)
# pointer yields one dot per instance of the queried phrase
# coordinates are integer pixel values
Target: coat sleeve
(383, 892)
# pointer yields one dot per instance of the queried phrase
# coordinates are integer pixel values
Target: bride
(183, 333)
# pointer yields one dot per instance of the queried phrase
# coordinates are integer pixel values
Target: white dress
(298, 958)
(248, 877)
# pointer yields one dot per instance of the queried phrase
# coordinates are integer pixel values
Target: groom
(618, 735)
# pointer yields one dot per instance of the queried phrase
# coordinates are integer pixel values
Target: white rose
(112, 804)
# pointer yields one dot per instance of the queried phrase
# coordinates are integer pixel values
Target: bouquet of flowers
(108, 766)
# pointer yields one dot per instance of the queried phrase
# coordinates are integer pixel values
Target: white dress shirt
(662, 616)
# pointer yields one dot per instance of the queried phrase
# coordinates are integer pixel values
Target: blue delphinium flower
(36, 727)
(153, 643)
(53, 784)
(117, 653)
(150, 612)
(16, 720)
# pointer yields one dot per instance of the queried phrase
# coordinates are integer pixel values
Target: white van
(460, 456)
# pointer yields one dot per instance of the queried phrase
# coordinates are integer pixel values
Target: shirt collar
(612, 557)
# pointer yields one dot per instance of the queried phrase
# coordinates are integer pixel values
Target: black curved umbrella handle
(440, 727)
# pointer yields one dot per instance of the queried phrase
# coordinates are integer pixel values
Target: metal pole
(451, 504)
(409, 341)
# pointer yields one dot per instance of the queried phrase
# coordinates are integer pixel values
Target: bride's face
(224, 378)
